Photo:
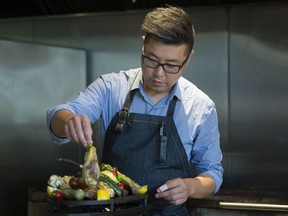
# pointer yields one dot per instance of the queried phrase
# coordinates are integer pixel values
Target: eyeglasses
(168, 68)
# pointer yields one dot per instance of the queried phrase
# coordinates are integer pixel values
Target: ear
(190, 56)
(143, 38)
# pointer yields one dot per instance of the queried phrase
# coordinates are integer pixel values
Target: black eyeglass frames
(168, 68)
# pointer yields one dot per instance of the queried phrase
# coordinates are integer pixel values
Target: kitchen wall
(240, 62)
(258, 88)
(33, 78)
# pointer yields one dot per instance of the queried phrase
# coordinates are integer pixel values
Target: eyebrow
(168, 61)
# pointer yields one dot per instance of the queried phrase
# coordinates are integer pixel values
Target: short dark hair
(170, 25)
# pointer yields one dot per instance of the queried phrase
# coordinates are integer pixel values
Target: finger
(67, 132)
(176, 198)
(87, 129)
(163, 191)
(78, 125)
(177, 201)
(170, 188)
(163, 188)
(71, 132)
(168, 185)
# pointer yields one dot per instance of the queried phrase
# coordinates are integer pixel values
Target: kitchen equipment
(129, 205)
(242, 201)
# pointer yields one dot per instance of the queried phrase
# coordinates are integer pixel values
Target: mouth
(157, 83)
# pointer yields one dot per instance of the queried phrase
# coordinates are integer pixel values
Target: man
(156, 123)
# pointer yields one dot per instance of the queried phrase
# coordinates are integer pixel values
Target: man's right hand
(76, 128)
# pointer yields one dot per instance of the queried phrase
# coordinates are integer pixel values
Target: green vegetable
(132, 185)
(106, 167)
(111, 183)
(110, 175)
(73, 194)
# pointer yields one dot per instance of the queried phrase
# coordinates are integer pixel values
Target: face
(156, 80)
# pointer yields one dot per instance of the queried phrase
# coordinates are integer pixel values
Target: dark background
(22, 8)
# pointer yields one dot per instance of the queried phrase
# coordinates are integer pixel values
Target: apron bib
(148, 149)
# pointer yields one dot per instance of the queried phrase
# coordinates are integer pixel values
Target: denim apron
(148, 149)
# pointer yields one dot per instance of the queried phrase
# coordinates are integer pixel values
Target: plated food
(100, 183)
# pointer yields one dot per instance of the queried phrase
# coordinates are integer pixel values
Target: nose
(159, 70)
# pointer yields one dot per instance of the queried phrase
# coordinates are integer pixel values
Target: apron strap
(171, 108)
(125, 111)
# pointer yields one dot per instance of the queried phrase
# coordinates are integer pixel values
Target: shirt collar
(137, 80)
(175, 92)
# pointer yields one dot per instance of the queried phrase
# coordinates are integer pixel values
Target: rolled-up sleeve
(50, 113)
(87, 102)
(102, 98)
(207, 154)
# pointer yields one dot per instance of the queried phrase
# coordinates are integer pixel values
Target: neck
(157, 98)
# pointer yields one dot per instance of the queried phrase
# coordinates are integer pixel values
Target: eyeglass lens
(154, 64)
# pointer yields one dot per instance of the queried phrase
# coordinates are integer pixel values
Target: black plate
(116, 200)
(127, 205)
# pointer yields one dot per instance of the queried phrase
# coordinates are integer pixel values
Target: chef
(159, 128)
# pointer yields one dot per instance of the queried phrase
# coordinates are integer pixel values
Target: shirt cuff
(217, 178)
(50, 113)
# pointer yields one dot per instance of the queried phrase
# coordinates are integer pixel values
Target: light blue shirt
(195, 115)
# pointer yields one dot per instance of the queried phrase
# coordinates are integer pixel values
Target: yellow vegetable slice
(102, 194)
(110, 175)
(143, 189)
(50, 190)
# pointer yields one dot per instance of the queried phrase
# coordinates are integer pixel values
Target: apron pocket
(161, 150)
